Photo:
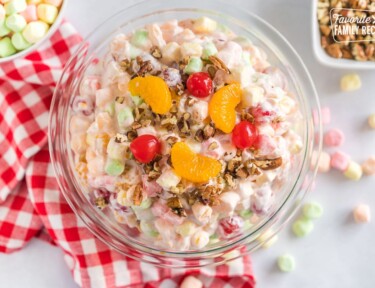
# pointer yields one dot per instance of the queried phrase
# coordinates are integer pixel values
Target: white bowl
(50, 32)
(322, 56)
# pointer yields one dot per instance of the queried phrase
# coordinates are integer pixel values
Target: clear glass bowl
(243, 23)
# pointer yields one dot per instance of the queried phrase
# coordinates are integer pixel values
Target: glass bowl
(280, 54)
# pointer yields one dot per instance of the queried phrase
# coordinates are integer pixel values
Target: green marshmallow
(15, 22)
(209, 49)
(312, 210)
(148, 228)
(286, 263)
(6, 47)
(19, 41)
(114, 167)
(137, 100)
(134, 52)
(140, 38)
(15, 6)
(246, 213)
(302, 227)
(125, 116)
(146, 203)
(4, 30)
(195, 65)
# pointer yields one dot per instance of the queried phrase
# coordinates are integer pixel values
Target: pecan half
(219, 64)
(155, 52)
(138, 195)
(268, 164)
(176, 206)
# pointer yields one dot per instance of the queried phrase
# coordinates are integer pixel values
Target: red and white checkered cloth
(30, 201)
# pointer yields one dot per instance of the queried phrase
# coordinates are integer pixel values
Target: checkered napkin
(31, 204)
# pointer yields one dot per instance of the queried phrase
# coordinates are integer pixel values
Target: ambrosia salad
(183, 133)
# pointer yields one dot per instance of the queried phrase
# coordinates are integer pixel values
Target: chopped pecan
(125, 64)
(358, 52)
(213, 146)
(176, 206)
(180, 89)
(120, 138)
(229, 179)
(219, 64)
(155, 52)
(268, 164)
(152, 175)
(199, 135)
(234, 163)
(101, 202)
(209, 131)
(120, 99)
(131, 135)
(211, 71)
(136, 125)
(183, 126)
(325, 29)
(171, 140)
(138, 195)
(242, 172)
(169, 122)
(334, 50)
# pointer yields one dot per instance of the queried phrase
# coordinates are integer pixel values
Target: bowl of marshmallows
(25, 24)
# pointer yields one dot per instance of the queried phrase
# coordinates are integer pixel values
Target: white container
(50, 32)
(322, 56)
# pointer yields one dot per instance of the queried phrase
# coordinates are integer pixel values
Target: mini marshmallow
(2, 12)
(202, 212)
(267, 239)
(15, 22)
(171, 52)
(354, 171)
(55, 3)
(19, 42)
(191, 282)
(368, 166)
(362, 213)
(302, 227)
(286, 263)
(340, 161)
(6, 47)
(312, 210)
(228, 202)
(47, 13)
(4, 30)
(15, 6)
(30, 13)
(33, 1)
(204, 25)
(200, 239)
(252, 95)
(35, 31)
(323, 162)
(189, 49)
(325, 114)
(371, 121)
(334, 138)
(350, 82)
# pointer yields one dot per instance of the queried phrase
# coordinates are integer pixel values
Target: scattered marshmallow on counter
(340, 161)
(191, 282)
(312, 210)
(23, 23)
(302, 227)
(354, 171)
(350, 82)
(267, 239)
(368, 166)
(286, 263)
(362, 213)
(334, 138)
(371, 121)
(325, 114)
(323, 162)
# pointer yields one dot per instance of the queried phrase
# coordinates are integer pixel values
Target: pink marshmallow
(325, 114)
(369, 166)
(56, 3)
(340, 161)
(334, 138)
(191, 282)
(362, 214)
(30, 13)
(323, 162)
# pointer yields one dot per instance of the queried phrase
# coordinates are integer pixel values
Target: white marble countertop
(338, 253)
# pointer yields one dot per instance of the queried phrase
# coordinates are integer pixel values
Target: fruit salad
(184, 134)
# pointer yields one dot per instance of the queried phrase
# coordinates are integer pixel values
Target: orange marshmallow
(47, 13)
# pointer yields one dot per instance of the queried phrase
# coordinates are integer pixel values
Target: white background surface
(338, 253)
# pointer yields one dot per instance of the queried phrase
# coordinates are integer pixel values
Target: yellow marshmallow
(35, 31)
(354, 171)
(47, 13)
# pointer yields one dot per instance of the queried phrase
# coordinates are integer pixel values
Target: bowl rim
(143, 249)
(52, 29)
(322, 56)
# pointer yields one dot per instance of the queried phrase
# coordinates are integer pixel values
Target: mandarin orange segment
(222, 106)
(191, 166)
(154, 91)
